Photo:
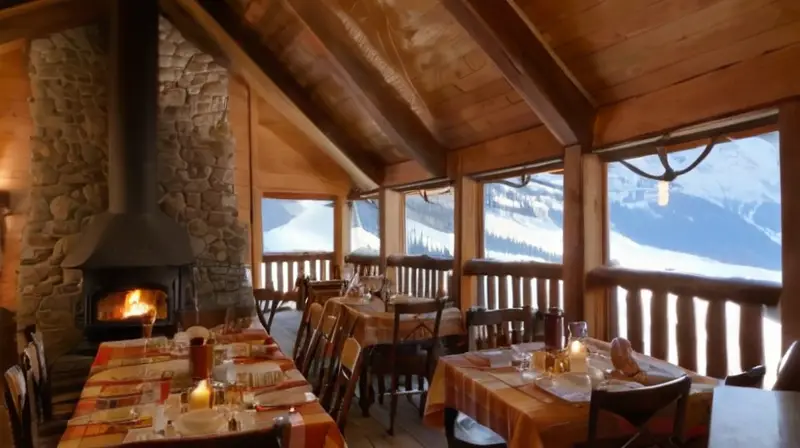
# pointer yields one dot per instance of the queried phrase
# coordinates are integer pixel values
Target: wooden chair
(321, 337)
(346, 321)
(753, 377)
(57, 391)
(344, 388)
(501, 328)
(638, 406)
(276, 437)
(789, 370)
(408, 357)
(315, 316)
(267, 301)
(316, 292)
(18, 406)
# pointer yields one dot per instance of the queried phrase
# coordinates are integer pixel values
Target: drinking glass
(523, 360)
(578, 330)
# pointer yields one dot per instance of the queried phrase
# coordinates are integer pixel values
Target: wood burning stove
(133, 245)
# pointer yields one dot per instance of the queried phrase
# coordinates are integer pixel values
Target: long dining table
(526, 415)
(142, 374)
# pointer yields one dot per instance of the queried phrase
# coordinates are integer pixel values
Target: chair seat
(471, 433)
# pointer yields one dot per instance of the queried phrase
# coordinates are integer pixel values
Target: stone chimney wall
(69, 155)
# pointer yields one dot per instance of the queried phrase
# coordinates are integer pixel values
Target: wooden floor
(368, 432)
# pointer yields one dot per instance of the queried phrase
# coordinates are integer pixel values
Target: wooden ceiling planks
(390, 112)
(41, 17)
(528, 66)
(269, 78)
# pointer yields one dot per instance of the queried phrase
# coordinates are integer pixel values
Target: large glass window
(297, 225)
(364, 231)
(523, 218)
(429, 223)
(721, 219)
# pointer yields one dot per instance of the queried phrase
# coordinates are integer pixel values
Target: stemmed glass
(523, 359)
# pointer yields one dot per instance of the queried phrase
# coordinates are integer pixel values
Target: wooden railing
(365, 264)
(753, 297)
(503, 284)
(421, 275)
(281, 269)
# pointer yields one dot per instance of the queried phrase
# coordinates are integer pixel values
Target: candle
(200, 397)
(577, 357)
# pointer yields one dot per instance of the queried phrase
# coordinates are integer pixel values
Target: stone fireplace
(151, 208)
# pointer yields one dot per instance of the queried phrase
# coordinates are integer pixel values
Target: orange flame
(135, 306)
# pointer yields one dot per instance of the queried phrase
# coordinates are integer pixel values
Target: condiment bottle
(554, 329)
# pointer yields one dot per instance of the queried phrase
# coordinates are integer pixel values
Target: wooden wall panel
(15, 131)
(239, 118)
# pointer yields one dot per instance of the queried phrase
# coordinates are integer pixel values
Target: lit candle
(200, 397)
(577, 357)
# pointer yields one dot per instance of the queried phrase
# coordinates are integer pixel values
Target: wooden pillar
(392, 227)
(468, 223)
(341, 232)
(256, 195)
(585, 224)
(789, 127)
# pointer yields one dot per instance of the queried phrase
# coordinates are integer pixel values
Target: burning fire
(135, 306)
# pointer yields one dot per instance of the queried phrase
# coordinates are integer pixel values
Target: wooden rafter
(528, 66)
(392, 115)
(265, 73)
(41, 17)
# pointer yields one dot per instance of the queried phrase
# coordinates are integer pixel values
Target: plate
(577, 387)
(283, 398)
(200, 423)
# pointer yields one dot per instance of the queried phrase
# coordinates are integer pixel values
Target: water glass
(522, 359)
(578, 330)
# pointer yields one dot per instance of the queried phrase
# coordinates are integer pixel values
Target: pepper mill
(554, 329)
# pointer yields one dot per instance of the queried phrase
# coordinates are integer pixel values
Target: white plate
(284, 398)
(214, 424)
(577, 387)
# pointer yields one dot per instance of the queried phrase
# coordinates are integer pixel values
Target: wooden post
(341, 233)
(585, 223)
(256, 229)
(468, 223)
(392, 227)
(789, 127)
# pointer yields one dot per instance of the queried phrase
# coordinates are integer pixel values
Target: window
(721, 219)
(297, 225)
(364, 222)
(524, 223)
(429, 223)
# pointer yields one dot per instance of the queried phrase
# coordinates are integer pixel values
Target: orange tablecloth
(376, 325)
(111, 386)
(527, 416)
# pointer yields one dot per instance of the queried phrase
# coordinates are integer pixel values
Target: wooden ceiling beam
(528, 147)
(528, 66)
(392, 115)
(264, 72)
(40, 17)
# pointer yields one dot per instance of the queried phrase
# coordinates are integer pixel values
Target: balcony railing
(503, 284)
(690, 294)
(421, 275)
(366, 265)
(281, 269)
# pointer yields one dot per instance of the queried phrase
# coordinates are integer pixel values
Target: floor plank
(369, 432)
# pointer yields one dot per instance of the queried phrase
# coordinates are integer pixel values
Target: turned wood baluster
(429, 290)
(716, 348)
(492, 293)
(502, 293)
(516, 295)
(420, 288)
(751, 336)
(687, 333)
(659, 333)
(482, 291)
(541, 295)
(635, 332)
(527, 292)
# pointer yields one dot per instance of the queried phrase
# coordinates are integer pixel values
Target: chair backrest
(320, 348)
(789, 370)
(38, 365)
(432, 306)
(345, 324)
(344, 388)
(276, 437)
(17, 401)
(500, 328)
(753, 377)
(314, 315)
(316, 292)
(267, 300)
(638, 406)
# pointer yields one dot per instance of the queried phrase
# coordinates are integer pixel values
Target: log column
(789, 126)
(468, 223)
(256, 196)
(585, 236)
(341, 233)
(392, 227)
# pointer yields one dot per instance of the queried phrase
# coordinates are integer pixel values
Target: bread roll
(622, 357)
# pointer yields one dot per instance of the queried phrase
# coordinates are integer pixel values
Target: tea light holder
(200, 397)
(577, 357)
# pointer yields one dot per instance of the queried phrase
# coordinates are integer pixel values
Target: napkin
(497, 358)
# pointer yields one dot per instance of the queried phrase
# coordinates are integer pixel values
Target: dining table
(375, 325)
(519, 408)
(743, 417)
(132, 381)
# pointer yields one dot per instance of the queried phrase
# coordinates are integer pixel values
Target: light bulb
(663, 193)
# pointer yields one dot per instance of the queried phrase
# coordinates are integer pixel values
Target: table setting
(200, 383)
